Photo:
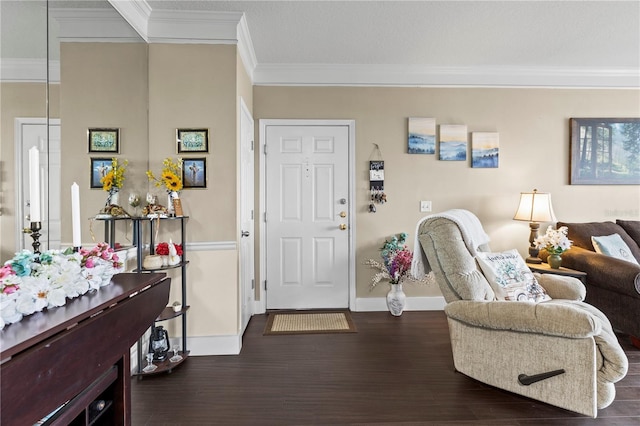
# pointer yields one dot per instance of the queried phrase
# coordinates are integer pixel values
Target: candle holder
(34, 231)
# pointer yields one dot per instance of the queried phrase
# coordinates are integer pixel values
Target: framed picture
(192, 140)
(605, 151)
(104, 140)
(194, 172)
(99, 169)
(422, 136)
(453, 142)
(485, 150)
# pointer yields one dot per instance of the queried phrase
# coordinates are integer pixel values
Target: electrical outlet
(425, 206)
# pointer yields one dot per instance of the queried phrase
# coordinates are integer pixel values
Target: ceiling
(497, 43)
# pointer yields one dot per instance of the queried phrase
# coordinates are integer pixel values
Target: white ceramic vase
(396, 300)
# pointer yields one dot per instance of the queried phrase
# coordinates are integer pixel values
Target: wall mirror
(30, 99)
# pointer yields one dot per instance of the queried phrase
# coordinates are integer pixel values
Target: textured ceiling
(563, 34)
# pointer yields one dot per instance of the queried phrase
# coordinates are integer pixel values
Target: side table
(544, 268)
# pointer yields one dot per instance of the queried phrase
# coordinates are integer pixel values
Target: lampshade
(535, 207)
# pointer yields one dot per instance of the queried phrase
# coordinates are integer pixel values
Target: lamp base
(533, 260)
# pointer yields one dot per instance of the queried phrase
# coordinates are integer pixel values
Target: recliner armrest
(562, 318)
(562, 287)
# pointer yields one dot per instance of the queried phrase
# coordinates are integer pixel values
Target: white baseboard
(214, 345)
(376, 304)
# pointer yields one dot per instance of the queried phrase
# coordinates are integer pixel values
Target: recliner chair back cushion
(455, 268)
(581, 233)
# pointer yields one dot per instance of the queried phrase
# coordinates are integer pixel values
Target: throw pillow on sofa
(614, 246)
(510, 278)
(632, 227)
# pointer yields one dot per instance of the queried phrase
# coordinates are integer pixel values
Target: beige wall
(104, 85)
(17, 100)
(534, 153)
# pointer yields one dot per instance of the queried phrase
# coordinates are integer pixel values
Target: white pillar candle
(34, 184)
(75, 215)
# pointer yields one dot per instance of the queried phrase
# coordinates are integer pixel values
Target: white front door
(247, 239)
(307, 216)
(32, 132)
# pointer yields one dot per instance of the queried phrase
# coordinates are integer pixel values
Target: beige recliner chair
(562, 352)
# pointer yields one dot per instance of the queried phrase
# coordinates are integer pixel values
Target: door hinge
(253, 284)
(265, 149)
(251, 145)
(251, 214)
(265, 285)
(265, 216)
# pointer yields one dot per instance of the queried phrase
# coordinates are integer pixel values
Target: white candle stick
(34, 184)
(75, 215)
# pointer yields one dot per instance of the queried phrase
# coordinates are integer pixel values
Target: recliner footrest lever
(526, 380)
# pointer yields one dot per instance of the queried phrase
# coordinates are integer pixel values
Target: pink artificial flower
(6, 271)
(115, 257)
(10, 289)
(89, 263)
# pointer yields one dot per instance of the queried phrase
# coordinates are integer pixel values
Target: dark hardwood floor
(394, 371)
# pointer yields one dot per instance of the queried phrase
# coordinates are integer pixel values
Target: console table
(77, 354)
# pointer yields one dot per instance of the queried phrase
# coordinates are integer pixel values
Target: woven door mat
(310, 322)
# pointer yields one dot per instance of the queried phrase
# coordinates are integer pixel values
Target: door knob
(244, 234)
(343, 226)
(343, 214)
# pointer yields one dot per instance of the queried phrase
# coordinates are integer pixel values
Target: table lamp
(534, 207)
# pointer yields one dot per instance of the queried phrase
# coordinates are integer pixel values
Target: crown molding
(201, 27)
(245, 48)
(425, 76)
(93, 25)
(16, 70)
(135, 13)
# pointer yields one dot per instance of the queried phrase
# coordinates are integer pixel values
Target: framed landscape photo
(99, 169)
(605, 151)
(104, 140)
(485, 150)
(422, 136)
(192, 140)
(194, 172)
(453, 142)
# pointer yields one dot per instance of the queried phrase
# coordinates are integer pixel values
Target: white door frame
(19, 200)
(351, 124)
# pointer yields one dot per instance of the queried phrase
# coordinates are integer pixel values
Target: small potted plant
(555, 242)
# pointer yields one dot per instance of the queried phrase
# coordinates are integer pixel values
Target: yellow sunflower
(171, 181)
(107, 181)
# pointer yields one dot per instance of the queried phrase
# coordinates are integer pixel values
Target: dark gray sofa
(613, 285)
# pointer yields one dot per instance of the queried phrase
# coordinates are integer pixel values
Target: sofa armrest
(605, 271)
(554, 318)
(562, 287)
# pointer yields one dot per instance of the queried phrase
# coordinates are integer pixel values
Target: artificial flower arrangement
(171, 251)
(396, 262)
(554, 241)
(114, 179)
(30, 283)
(112, 183)
(171, 177)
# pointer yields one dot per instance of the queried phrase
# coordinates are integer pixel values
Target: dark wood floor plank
(394, 371)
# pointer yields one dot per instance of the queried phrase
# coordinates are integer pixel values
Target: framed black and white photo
(104, 140)
(194, 172)
(192, 140)
(100, 167)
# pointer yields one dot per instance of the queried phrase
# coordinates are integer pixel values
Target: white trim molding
(93, 25)
(214, 345)
(18, 70)
(428, 76)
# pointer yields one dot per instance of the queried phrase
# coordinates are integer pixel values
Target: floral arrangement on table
(30, 283)
(171, 177)
(396, 262)
(554, 241)
(112, 182)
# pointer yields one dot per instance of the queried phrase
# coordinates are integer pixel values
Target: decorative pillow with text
(613, 245)
(510, 278)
